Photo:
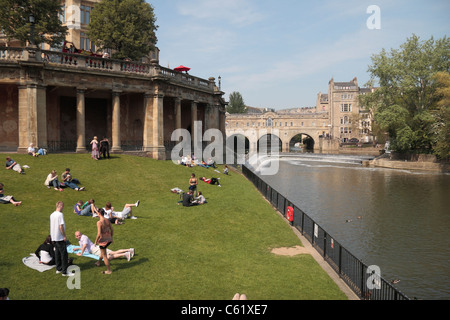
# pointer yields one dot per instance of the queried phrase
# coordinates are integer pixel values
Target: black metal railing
(362, 279)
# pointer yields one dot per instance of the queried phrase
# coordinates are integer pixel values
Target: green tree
(236, 103)
(441, 114)
(126, 26)
(15, 21)
(402, 105)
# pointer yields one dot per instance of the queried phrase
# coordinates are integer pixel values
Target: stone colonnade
(32, 124)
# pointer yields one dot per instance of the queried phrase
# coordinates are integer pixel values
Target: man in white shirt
(58, 235)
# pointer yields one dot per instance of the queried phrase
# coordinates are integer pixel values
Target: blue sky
(281, 54)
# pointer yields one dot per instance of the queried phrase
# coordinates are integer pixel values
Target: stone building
(337, 118)
(60, 100)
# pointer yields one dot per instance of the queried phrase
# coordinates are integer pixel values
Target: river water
(398, 220)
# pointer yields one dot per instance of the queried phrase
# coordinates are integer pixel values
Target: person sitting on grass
(46, 252)
(52, 180)
(211, 181)
(11, 164)
(86, 245)
(8, 199)
(109, 214)
(90, 210)
(188, 199)
(32, 150)
(70, 182)
(200, 199)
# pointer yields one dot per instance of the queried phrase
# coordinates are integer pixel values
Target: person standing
(104, 148)
(95, 154)
(58, 236)
(104, 239)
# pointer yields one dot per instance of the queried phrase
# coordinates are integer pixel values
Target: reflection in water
(396, 219)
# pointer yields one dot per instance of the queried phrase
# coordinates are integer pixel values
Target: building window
(85, 14)
(346, 107)
(62, 14)
(85, 43)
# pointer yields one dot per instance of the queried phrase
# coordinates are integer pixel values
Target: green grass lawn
(199, 253)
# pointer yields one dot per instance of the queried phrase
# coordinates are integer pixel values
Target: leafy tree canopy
(236, 103)
(407, 95)
(15, 21)
(126, 26)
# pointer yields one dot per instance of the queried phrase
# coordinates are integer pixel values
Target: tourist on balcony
(11, 164)
(95, 153)
(7, 199)
(32, 151)
(70, 182)
(52, 180)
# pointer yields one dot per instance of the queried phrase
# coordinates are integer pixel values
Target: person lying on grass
(86, 245)
(8, 199)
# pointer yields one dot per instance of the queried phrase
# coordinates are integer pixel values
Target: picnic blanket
(176, 190)
(32, 261)
(85, 254)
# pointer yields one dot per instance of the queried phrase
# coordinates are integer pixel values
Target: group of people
(89, 209)
(36, 153)
(54, 249)
(188, 198)
(66, 181)
(99, 148)
(192, 161)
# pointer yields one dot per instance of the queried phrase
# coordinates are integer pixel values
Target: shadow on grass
(87, 263)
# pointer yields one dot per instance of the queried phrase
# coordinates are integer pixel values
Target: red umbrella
(182, 68)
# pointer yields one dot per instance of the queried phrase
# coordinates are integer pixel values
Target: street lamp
(32, 22)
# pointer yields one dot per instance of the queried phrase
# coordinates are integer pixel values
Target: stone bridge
(314, 129)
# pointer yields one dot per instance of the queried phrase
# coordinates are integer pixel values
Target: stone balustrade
(94, 63)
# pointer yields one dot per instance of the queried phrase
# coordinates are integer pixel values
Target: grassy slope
(205, 252)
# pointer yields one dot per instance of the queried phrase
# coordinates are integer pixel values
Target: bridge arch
(302, 140)
(268, 141)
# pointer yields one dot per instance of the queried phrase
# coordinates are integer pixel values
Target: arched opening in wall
(237, 146)
(238, 143)
(301, 143)
(269, 143)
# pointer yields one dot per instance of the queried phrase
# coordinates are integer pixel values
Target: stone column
(193, 119)
(32, 120)
(81, 121)
(116, 143)
(148, 122)
(177, 113)
(159, 151)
